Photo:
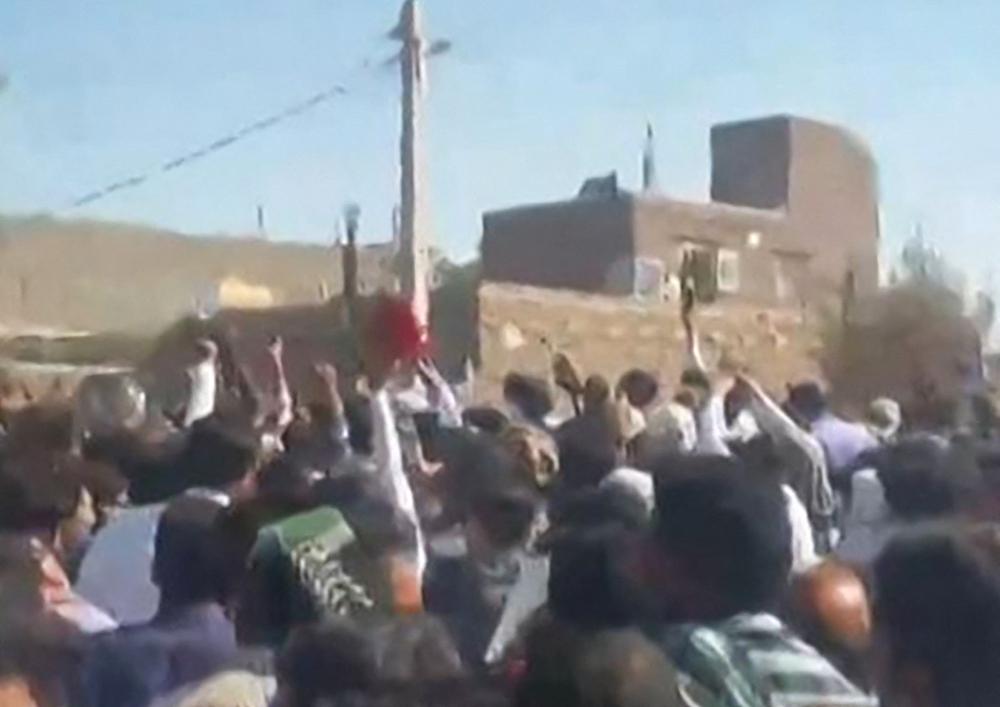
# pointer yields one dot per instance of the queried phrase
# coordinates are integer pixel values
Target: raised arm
(389, 466)
(775, 422)
(440, 395)
(693, 358)
(282, 393)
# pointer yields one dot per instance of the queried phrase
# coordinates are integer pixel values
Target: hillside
(101, 276)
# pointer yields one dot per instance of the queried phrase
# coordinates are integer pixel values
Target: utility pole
(349, 261)
(413, 256)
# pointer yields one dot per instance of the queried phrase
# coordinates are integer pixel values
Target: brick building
(793, 217)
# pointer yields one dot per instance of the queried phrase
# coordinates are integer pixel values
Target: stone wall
(519, 326)
(104, 276)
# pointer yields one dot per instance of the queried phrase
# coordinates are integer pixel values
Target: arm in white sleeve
(773, 421)
(283, 393)
(711, 422)
(692, 354)
(441, 396)
(389, 465)
(448, 407)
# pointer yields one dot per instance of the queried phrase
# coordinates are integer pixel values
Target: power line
(220, 144)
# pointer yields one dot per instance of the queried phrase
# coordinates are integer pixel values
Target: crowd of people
(387, 543)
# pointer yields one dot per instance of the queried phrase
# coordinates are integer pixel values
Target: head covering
(884, 418)
(230, 689)
(535, 452)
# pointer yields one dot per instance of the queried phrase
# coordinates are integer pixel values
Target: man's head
(324, 662)
(189, 565)
(596, 394)
(720, 542)
(528, 395)
(41, 428)
(612, 668)
(588, 449)
(925, 476)
(640, 387)
(535, 452)
(499, 521)
(809, 400)
(937, 619)
(591, 537)
(830, 610)
(220, 456)
(39, 495)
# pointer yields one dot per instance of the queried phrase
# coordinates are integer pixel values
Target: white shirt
(870, 524)
(388, 458)
(201, 400)
(803, 546)
(117, 571)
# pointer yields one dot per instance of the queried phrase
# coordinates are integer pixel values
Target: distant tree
(914, 340)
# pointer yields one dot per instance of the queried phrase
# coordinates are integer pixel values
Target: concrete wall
(572, 244)
(609, 335)
(662, 227)
(751, 163)
(834, 200)
(821, 175)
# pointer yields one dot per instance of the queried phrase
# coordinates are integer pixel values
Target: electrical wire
(220, 144)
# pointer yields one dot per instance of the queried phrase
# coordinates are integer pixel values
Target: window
(727, 271)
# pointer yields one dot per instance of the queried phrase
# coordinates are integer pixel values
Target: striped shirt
(753, 660)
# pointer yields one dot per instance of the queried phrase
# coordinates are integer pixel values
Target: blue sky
(536, 95)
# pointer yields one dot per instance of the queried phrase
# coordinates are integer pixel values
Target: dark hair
(622, 668)
(924, 476)
(37, 491)
(591, 531)
(506, 517)
(360, 425)
(475, 466)
(486, 419)
(587, 450)
(808, 399)
(43, 427)
(530, 394)
(728, 532)
(188, 563)
(937, 603)
(415, 651)
(611, 668)
(596, 392)
(285, 486)
(640, 387)
(217, 455)
(20, 576)
(327, 661)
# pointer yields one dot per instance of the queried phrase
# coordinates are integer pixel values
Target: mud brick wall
(518, 326)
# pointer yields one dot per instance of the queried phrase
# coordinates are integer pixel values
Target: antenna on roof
(649, 161)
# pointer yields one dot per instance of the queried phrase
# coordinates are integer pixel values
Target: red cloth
(393, 327)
